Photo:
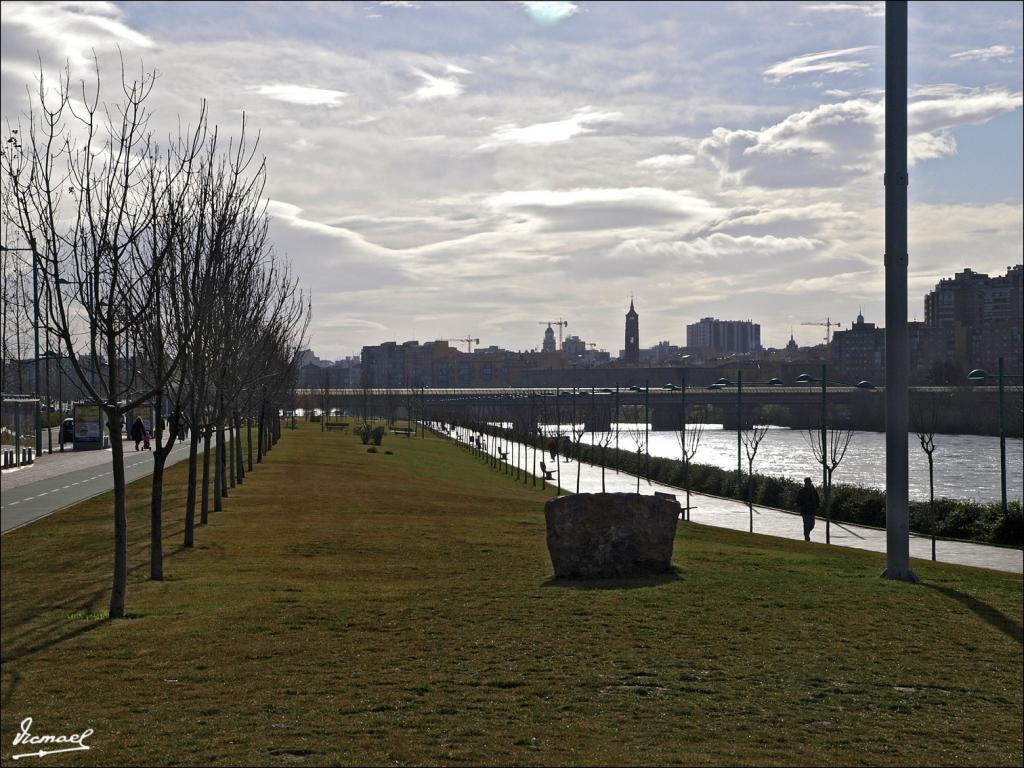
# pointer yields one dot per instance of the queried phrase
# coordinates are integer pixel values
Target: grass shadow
(629, 582)
(984, 611)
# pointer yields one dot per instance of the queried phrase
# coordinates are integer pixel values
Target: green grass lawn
(362, 608)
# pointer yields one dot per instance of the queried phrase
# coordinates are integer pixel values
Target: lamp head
(978, 374)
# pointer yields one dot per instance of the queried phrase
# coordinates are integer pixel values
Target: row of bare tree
(158, 277)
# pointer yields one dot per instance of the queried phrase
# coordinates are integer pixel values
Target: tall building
(725, 336)
(973, 298)
(549, 341)
(985, 316)
(859, 353)
(574, 347)
(632, 352)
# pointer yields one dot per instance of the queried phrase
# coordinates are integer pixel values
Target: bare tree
(751, 442)
(84, 182)
(689, 436)
(926, 415)
(838, 441)
(637, 431)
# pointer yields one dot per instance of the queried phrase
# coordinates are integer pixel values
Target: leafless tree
(837, 443)
(637, 431)
(751, 442)
(84, 182)
(689, 436)
(926, 411)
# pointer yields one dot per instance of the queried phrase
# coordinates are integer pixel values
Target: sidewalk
(769, 521)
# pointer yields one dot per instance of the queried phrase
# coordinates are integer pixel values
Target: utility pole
(897, 494)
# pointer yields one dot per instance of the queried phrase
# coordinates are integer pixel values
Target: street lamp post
(979, 374)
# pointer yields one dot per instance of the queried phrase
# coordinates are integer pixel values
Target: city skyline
(440, 169)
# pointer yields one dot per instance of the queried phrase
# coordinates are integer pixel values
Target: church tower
(632, 336)
(549, 340)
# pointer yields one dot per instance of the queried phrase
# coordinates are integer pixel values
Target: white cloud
(300, 94)
(71, 30)
(550, 133)
(823, 63)
(667, 163)
(398, 4)
(831, 144)
(875, 10)
(435, 87)
(717, 246)
(550, 11)
(1001, 52)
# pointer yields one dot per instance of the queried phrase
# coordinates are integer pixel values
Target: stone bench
(605, 535)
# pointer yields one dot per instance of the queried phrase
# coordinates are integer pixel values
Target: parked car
(67, 431)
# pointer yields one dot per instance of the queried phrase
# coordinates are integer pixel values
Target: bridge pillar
(666, 418)
(599, 420)
(730, 420)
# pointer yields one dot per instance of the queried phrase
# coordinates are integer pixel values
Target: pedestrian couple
(807, 502)
(140, 434)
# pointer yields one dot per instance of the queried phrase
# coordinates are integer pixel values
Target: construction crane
(560, 323)
(469, 341)
(828, 325)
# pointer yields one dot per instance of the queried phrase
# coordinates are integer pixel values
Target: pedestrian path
(769, 521)
(56, 481)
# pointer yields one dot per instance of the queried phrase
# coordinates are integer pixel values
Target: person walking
(138, 431)
(807, 502)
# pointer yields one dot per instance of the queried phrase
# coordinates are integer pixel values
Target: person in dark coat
(807, 502)
(138, 431)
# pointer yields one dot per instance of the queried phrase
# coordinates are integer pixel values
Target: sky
(444, 169)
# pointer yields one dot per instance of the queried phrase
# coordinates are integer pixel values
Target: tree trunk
(204, 515)
(120, 586)
(218, 474)
(156, 550)
(222, 465)
(190, 501)
(931, 501)
(259, 433)
(248, 438)
(230, 456)
(240, 462)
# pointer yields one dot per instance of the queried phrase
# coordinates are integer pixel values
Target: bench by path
(729, 513)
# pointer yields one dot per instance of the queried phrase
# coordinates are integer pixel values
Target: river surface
(966, 466)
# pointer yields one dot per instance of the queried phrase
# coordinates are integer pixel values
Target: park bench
(342, 425)
(503, 455)
(548, 474)
(406, 432)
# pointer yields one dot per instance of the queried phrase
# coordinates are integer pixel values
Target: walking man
(807, 502)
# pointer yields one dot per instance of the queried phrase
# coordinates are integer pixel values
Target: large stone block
(600, 535)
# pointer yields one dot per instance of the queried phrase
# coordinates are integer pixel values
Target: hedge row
(951, 518)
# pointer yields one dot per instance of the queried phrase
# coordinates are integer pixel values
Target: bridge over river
(968, 410)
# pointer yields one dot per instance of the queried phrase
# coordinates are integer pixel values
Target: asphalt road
(55, 489)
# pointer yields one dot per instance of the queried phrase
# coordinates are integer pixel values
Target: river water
(966, 466)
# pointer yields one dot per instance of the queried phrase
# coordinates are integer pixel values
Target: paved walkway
(729, 513)
(58, 480)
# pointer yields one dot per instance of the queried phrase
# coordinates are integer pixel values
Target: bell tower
(632, 336)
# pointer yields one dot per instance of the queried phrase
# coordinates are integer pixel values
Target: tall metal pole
(824, 434)
(35, 382)
(897, 493)
(1002, 439)
(739, 424)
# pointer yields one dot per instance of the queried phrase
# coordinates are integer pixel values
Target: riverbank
(947, 518)
(357, 608)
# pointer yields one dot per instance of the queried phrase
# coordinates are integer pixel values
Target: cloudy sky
(438, 169)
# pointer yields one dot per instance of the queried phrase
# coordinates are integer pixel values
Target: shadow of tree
(986, 612)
